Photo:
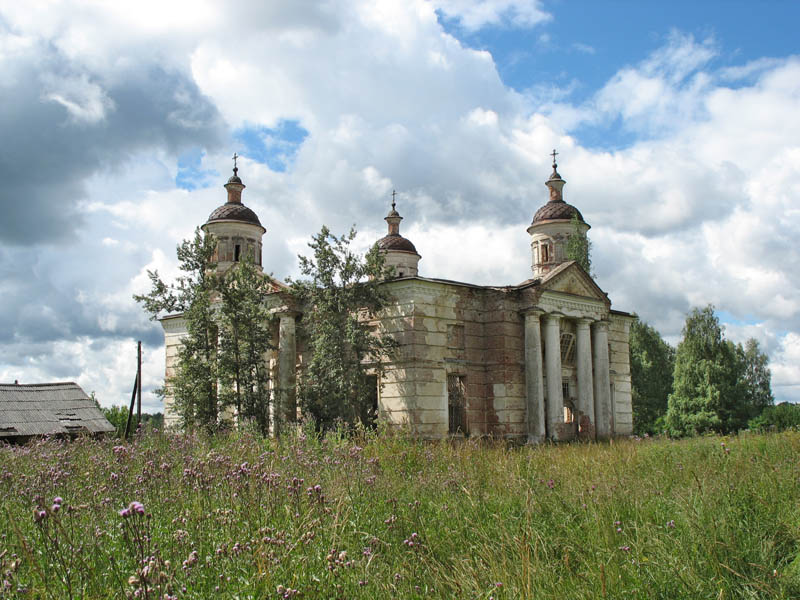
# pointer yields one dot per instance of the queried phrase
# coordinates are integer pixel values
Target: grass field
(385, 516)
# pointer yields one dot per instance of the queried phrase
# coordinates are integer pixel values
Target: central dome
(395, 241)
(232, 211)
(557, 210)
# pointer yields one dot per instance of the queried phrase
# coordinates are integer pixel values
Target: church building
(543, 359)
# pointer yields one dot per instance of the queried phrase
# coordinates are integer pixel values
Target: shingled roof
(48, 409)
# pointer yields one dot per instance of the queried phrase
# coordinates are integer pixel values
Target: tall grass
(385, 516)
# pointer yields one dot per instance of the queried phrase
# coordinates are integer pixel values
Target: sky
(677, 127)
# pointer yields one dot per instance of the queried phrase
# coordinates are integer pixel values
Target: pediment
(570, 278)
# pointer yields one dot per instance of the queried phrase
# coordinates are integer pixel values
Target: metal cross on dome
(235, 156)
(394, 193)
(553, 154)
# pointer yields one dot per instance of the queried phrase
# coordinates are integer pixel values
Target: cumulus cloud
(699, 206)
(475, 14)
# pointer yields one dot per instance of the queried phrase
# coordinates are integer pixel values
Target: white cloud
(785, 367)
(475, 14)
(84, 100)
(701, 206)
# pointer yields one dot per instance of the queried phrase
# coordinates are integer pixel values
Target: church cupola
(552, 225)
(399, 252)
(236, 227)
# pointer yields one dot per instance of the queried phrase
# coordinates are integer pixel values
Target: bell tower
(551, 227)
(236, 227)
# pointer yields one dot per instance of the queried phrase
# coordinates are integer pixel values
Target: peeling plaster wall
(620, 367)
(488, 352)
(174, 332)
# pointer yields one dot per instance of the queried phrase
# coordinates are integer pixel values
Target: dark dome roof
(234, 179)
(233, 211)
(557, 210)
(396, 242)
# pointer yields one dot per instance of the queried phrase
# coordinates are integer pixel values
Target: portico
(566, 368)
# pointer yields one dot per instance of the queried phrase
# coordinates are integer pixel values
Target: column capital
(532, 312)
(602, 325)
(584, 322)
(553, 316)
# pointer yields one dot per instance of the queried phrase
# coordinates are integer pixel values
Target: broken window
(456, 404)
(544, 253)
(369, 413)
(567, 349)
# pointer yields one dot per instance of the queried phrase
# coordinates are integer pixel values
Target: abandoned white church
(543, 359)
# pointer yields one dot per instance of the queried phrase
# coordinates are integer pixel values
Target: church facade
(543, 359)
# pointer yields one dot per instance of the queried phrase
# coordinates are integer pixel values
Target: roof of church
(556, 209)
(395, 241)
(231, 211)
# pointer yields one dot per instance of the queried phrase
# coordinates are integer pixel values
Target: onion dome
(233, 209)
(556, 209)
(395, 241)
(233, 212)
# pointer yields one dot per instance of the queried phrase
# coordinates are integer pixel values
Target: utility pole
(139, 383)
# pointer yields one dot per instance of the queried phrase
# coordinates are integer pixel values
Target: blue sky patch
(586, 42)
(276, 147)
(191, 175)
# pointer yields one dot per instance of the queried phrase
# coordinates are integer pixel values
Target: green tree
(778, 418)
(711, 388)
(221, 358)
(244, 323)
(757, 377)
(341, 295)
(118, 416)
(579, 247)
(652, 364)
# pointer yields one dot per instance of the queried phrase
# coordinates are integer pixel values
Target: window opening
(567, 349)
(236, 251)
(456, 404)
(545, 256)
(569, 415)
(369, 412)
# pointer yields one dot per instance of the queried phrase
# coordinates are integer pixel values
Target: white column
(286, 398)
(602, 381)
(552, 354)
(583, 355)
(534, 386)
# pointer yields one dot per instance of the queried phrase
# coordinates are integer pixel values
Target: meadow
(382, 515)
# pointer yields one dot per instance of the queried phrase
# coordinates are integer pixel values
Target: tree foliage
(717, 385)
(579, 246)
(652, 364)
(117, 415)
(341, 295)
(245, 324)
(779, 417)
(220, 360)
(757, 376)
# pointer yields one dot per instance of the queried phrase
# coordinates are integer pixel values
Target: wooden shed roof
(48, 409)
